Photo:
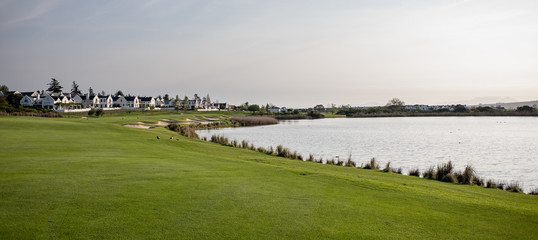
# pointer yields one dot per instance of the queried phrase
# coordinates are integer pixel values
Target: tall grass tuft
(513, 187)
(414, 172)
(387, 168)
(468, 176)
(371, 165)
(429, 173)
(310, 158)
(443, 172)
(491, 184)
(244, 144)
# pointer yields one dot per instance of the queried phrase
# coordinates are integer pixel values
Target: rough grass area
(254, 120)
(73, 178)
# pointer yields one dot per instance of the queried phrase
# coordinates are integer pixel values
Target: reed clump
(442, 172)
(414, 172)
(186, 131)
(253, 120)
(371, 165)
(513, 187)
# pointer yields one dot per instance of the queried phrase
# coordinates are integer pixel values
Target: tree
(177, 103)
(395, 105)
(460, 108)
(119, 93)
(91, 91)
(54, 86)
(4, 88)
(207, 99)
(253, 108)
(75, 89)
(166, 97)
(103, 93)
(185, 103)
(525, 108)
(395, 102)
(14, 100)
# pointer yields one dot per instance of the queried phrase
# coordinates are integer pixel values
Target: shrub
(99, 112)
(534, 191)
(414, 172)
(310, 158)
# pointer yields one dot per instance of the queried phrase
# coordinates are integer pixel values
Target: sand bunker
(138, 126)
(159, 123)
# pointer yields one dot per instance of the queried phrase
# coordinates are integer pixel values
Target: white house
(128, 102)
(47, 102)
(147, 102)
(27, 101)
(105, 101)
(159, 102)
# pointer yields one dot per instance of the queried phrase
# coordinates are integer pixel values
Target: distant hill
(511, 105)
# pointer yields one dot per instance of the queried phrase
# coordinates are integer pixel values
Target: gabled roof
(130, 99)
(145, 99)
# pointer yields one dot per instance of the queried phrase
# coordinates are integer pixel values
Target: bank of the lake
(74, 178)
(499, 148)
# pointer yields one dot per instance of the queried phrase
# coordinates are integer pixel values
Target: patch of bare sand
(137, 126)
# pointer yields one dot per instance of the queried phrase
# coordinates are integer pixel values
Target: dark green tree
(254, 108)
(4, 88)
(54, 86)
(460, 108)
(91, 91)
(525, 108)
(119, 93)
(166, 97)
(75, 88)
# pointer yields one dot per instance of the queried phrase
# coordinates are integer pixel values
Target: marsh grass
(387, 168)
(414, 172)
(186, 131)
(429, 173)
(253, 120)
(513, 187)
(371, 165)
(443, 172)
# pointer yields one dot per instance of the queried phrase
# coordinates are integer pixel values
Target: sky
(286, 53)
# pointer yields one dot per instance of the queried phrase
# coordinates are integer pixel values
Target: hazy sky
(289, 53)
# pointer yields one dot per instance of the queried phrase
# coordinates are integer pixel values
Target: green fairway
(73, 178)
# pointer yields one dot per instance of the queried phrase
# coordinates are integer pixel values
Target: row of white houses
(62, 101)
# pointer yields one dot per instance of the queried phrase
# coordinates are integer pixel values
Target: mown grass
(73, 178)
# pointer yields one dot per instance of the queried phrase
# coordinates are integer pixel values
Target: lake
(499, 148)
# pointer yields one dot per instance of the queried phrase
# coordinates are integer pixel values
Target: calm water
(500, 148)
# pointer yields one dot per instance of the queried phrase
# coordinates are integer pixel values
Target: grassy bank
(70, 178)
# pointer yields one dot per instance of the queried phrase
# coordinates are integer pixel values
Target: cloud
(15, 12)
